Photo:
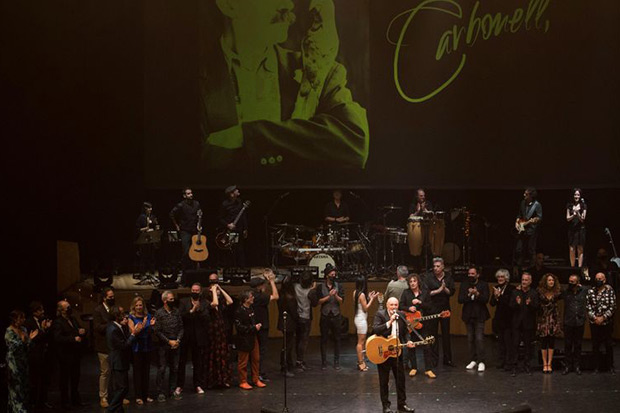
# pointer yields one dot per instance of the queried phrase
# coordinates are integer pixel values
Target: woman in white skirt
(362, 301)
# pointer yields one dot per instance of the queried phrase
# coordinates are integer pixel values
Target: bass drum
(451, 253)
(320, 261)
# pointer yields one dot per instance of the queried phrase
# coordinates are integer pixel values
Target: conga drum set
(426, 233)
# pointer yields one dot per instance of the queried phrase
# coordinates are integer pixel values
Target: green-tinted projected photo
(264, 104)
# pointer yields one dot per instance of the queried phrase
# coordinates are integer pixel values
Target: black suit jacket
(503, 312)
(194, 324)
(40, 344)
(524, 315)
(337, 132)
(119, 343)
(101, 319)
(64, 335)
(476, 309)
(380, 327)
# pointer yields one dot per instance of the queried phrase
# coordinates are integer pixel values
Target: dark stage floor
(454, 389)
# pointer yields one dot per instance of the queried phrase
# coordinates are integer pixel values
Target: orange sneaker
(245, 386)
(259, 383)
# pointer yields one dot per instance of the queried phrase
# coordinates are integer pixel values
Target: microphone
(354, 195)
(284, 195)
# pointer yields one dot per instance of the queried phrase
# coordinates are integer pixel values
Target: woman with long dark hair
(576, 216)
(362, 300)
(548, 324)
(217, 365)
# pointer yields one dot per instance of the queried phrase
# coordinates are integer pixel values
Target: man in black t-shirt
(229, 211)
(184, 216)
(261, 311)
(336, 211)
(527, 224)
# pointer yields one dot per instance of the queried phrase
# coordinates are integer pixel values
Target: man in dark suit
(391, 322)
(101, 319)
(68, 337)
(524, 305)
(301, 110)
(194, 312)
(119, 341)
(38, 355)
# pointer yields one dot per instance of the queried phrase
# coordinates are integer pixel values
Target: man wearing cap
(331, 296)
(230, 208)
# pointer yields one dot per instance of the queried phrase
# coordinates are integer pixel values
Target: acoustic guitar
(379, 349)
(415, 318)
(198, 251)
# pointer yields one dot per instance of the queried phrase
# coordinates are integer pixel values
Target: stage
(454, 389)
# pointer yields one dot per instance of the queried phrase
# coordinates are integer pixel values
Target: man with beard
(474, 295)
(184, 216)
(229, 211)
(528, 217)
(263, 105)
(101, 319)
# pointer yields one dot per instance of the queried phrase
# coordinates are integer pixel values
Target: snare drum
(398, 237)
(320, 261)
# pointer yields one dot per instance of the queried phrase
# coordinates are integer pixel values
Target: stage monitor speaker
(297, 271)
(519, 409)
(237, 276)
(197, 275)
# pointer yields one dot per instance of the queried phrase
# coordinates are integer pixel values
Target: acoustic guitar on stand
(198, 251)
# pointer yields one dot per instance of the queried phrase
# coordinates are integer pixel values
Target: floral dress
(548, 321)
(217, 363)
(17, 360)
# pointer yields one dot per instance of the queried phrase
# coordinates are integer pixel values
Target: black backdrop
(73, 95)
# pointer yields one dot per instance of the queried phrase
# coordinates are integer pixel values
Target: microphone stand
(268, 248)
(285, 408)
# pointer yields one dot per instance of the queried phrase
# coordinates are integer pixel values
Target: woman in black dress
(576, 216)
(217, 363)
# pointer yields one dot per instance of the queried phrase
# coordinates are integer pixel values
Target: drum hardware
(237, 276)
(320, 261)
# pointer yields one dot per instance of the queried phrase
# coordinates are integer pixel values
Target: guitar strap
(418, 334)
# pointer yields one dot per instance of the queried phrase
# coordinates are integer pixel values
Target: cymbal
(344, 224)
(390, 207)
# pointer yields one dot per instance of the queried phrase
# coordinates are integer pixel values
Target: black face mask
(573, 286)
(472, 279)
(172, 304)
(69, 311)
(195, 296)
(110, 302)
(599, 283)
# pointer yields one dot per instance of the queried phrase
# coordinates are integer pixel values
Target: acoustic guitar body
(198, 251)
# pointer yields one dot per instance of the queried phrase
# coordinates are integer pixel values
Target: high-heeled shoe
(361, 366)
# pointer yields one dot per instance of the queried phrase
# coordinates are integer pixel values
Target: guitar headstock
(199, 213)
(247, 204)
(607, 232)
(429, 340)
(445, 314)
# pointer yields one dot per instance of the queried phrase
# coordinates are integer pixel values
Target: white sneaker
(481, 367)
(199, 390)
(471, 365)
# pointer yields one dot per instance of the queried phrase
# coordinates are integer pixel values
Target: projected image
(274, 90)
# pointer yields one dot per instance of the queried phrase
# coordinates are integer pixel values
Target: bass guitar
(415, 318)
(379, 349)
(228, 238)
(198, 251)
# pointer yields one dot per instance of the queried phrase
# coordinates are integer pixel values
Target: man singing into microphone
(387, 323)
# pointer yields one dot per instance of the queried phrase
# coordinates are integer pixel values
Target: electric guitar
(198, 251)
(227, 238)
(415, 318)
(522, 223)
(615, 259)
(379, 349)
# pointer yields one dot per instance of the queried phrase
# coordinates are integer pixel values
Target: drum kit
(375, 247)
(340, 244)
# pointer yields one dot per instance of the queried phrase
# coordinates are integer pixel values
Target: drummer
(420, 205)
(336, 210)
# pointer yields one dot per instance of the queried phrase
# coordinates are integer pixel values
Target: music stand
(150, 239)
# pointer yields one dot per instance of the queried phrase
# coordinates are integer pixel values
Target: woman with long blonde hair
(548, 323)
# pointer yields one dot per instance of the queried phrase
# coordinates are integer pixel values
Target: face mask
(573, 285)
(69, 311)
(195, 296)
(110, 302)
(472, 278)
(599, 283)
(172, 304)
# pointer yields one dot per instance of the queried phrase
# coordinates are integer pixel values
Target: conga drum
(414, 237)
(437, 236)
